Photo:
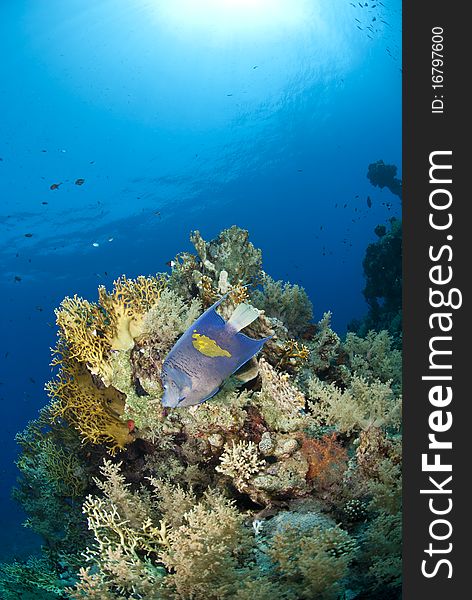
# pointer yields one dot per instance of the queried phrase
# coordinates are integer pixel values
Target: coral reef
(382, 175)
(285, 484)
(383, 290)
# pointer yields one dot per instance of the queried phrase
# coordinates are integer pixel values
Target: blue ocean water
(182, 115)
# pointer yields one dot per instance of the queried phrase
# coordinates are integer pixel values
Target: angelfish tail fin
(243, 315)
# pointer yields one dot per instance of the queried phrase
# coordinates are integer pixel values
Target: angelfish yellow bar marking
(207, 346)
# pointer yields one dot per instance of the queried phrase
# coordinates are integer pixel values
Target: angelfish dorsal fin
(243, 315)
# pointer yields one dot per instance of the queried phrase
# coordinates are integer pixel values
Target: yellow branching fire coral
(239, 293)
(82, 327)
(126, 305)
(91, 331)
(293, 354)
(93, 412)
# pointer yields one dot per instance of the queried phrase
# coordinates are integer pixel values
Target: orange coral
(326, 459)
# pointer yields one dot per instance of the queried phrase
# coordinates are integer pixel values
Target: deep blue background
(182, 115)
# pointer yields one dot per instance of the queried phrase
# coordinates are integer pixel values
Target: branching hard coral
(313, 562)
(360, 406)
(240, 462)
(94, 412)
(288, 303)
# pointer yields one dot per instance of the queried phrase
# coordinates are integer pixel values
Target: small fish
(369, 202)
(79, 181)
(171, 263)
(17, 278)
(110, 239)
(95, 244)
(55, 186)
(28, 235)
(209, 352)
(43, 202)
